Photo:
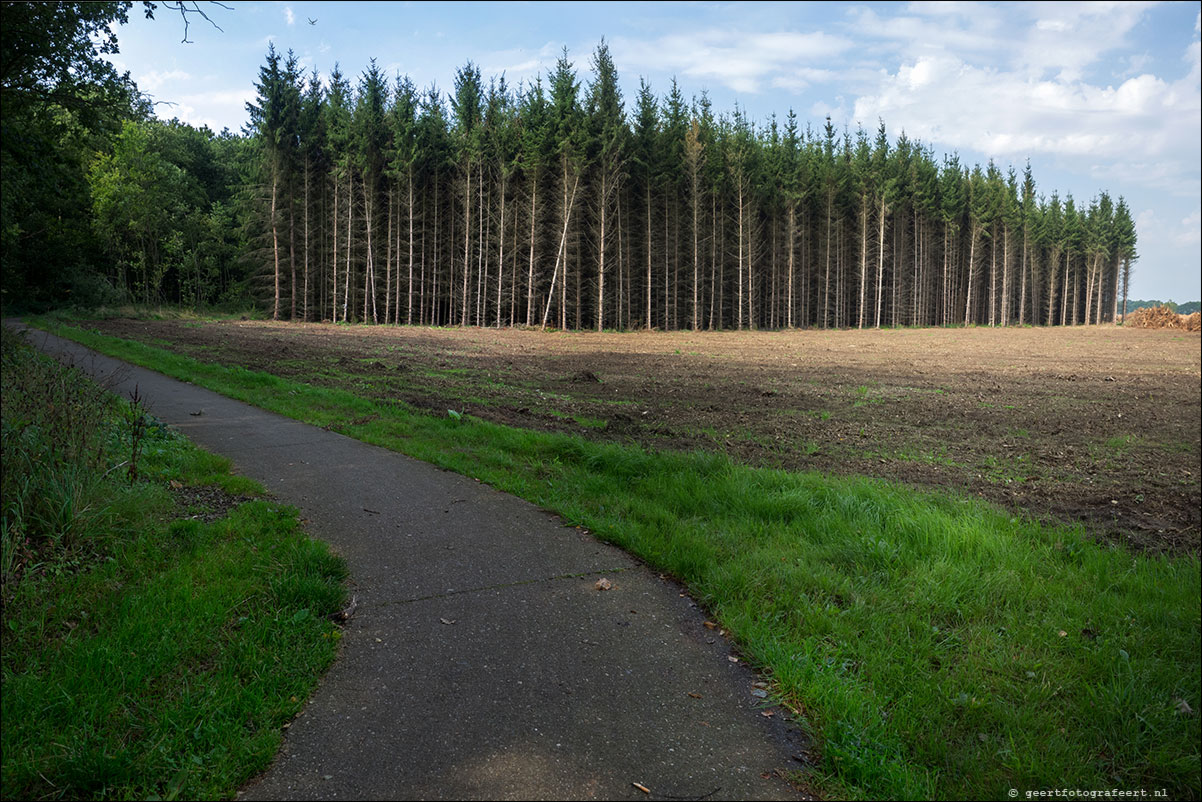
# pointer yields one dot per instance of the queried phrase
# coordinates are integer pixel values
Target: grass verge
(145, 654)
(936, 646)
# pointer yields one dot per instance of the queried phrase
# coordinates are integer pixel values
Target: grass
(936, 647)
(144, 655)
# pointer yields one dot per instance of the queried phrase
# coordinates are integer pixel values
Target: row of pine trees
(555, 205)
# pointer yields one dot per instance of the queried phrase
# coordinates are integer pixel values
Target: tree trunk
(739, 317)
(863, 256)
(880, 265)
(601, 257)
(972, 253)
(530, 273)
(563, 237)
(350, 216)
(649, 326)
(467, 241)
(305, 304)
(275, 247)
(501, 252)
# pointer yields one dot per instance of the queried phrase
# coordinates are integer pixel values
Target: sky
(1096, 95)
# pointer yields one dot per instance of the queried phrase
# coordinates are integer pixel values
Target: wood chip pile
(1161, 317)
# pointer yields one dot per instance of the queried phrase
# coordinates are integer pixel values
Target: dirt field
(1099, 425)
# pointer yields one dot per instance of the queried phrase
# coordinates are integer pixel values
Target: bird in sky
(312, 21)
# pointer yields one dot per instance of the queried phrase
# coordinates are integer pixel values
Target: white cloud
(151, 81)
(1068, 37)
(802, 78)
(288, 16)
(933, 28)
(207, 108)
(945, 100)
(1189, 232)
(743, 61)
(522, 63)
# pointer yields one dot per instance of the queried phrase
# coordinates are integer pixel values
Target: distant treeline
(552, 203)
(557, 205)
(1181, 309)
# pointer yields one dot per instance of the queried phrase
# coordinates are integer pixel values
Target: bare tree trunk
(334, 271)
(567, 216)
(601, 259)
(739, 317)
(388, 264)
(972, 252)
(481, 238)
(350, 215)
(649, 253)
(369, 274)
(880, 262)
(530, 273)
(1022, 292)
(696, 255)
(863, 256)
(275, 247)
(713, 256)
(513, 273)
(1064, 292)
(501, 253)
(563, 237)
(306, 293)
(792, 247)
(1005, 311)
(467, 239)
(409, 292)
(826, 289)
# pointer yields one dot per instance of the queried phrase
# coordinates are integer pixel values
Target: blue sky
(1096, 95)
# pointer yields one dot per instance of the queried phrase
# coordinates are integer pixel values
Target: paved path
(482, 662)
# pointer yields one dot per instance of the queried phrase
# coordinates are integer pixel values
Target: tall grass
(144, 655)
(935, 646)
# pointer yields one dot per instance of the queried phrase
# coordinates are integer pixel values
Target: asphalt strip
(482, 661)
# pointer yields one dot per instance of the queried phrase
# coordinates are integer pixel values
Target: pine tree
(608, 144)
(267, 119)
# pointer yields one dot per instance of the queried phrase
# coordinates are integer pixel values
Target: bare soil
(1098, 425)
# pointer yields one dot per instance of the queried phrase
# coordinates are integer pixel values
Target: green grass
(935, 646)
(144, 655)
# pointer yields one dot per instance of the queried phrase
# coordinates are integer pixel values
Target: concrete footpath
(482, 662)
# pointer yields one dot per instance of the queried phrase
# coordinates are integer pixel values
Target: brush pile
(1162, 317)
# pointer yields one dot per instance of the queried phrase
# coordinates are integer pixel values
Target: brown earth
(1098, 425)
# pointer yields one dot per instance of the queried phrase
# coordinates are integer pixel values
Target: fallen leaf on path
(767, 713)
(732, 658)
(604, 584)
(710, 625)
(694, 695)
(447, 621)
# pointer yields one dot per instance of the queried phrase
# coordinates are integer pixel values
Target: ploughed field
(1098, 425)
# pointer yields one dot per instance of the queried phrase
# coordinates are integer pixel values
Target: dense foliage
(99, 201)
(550, 203)
(553, 205)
